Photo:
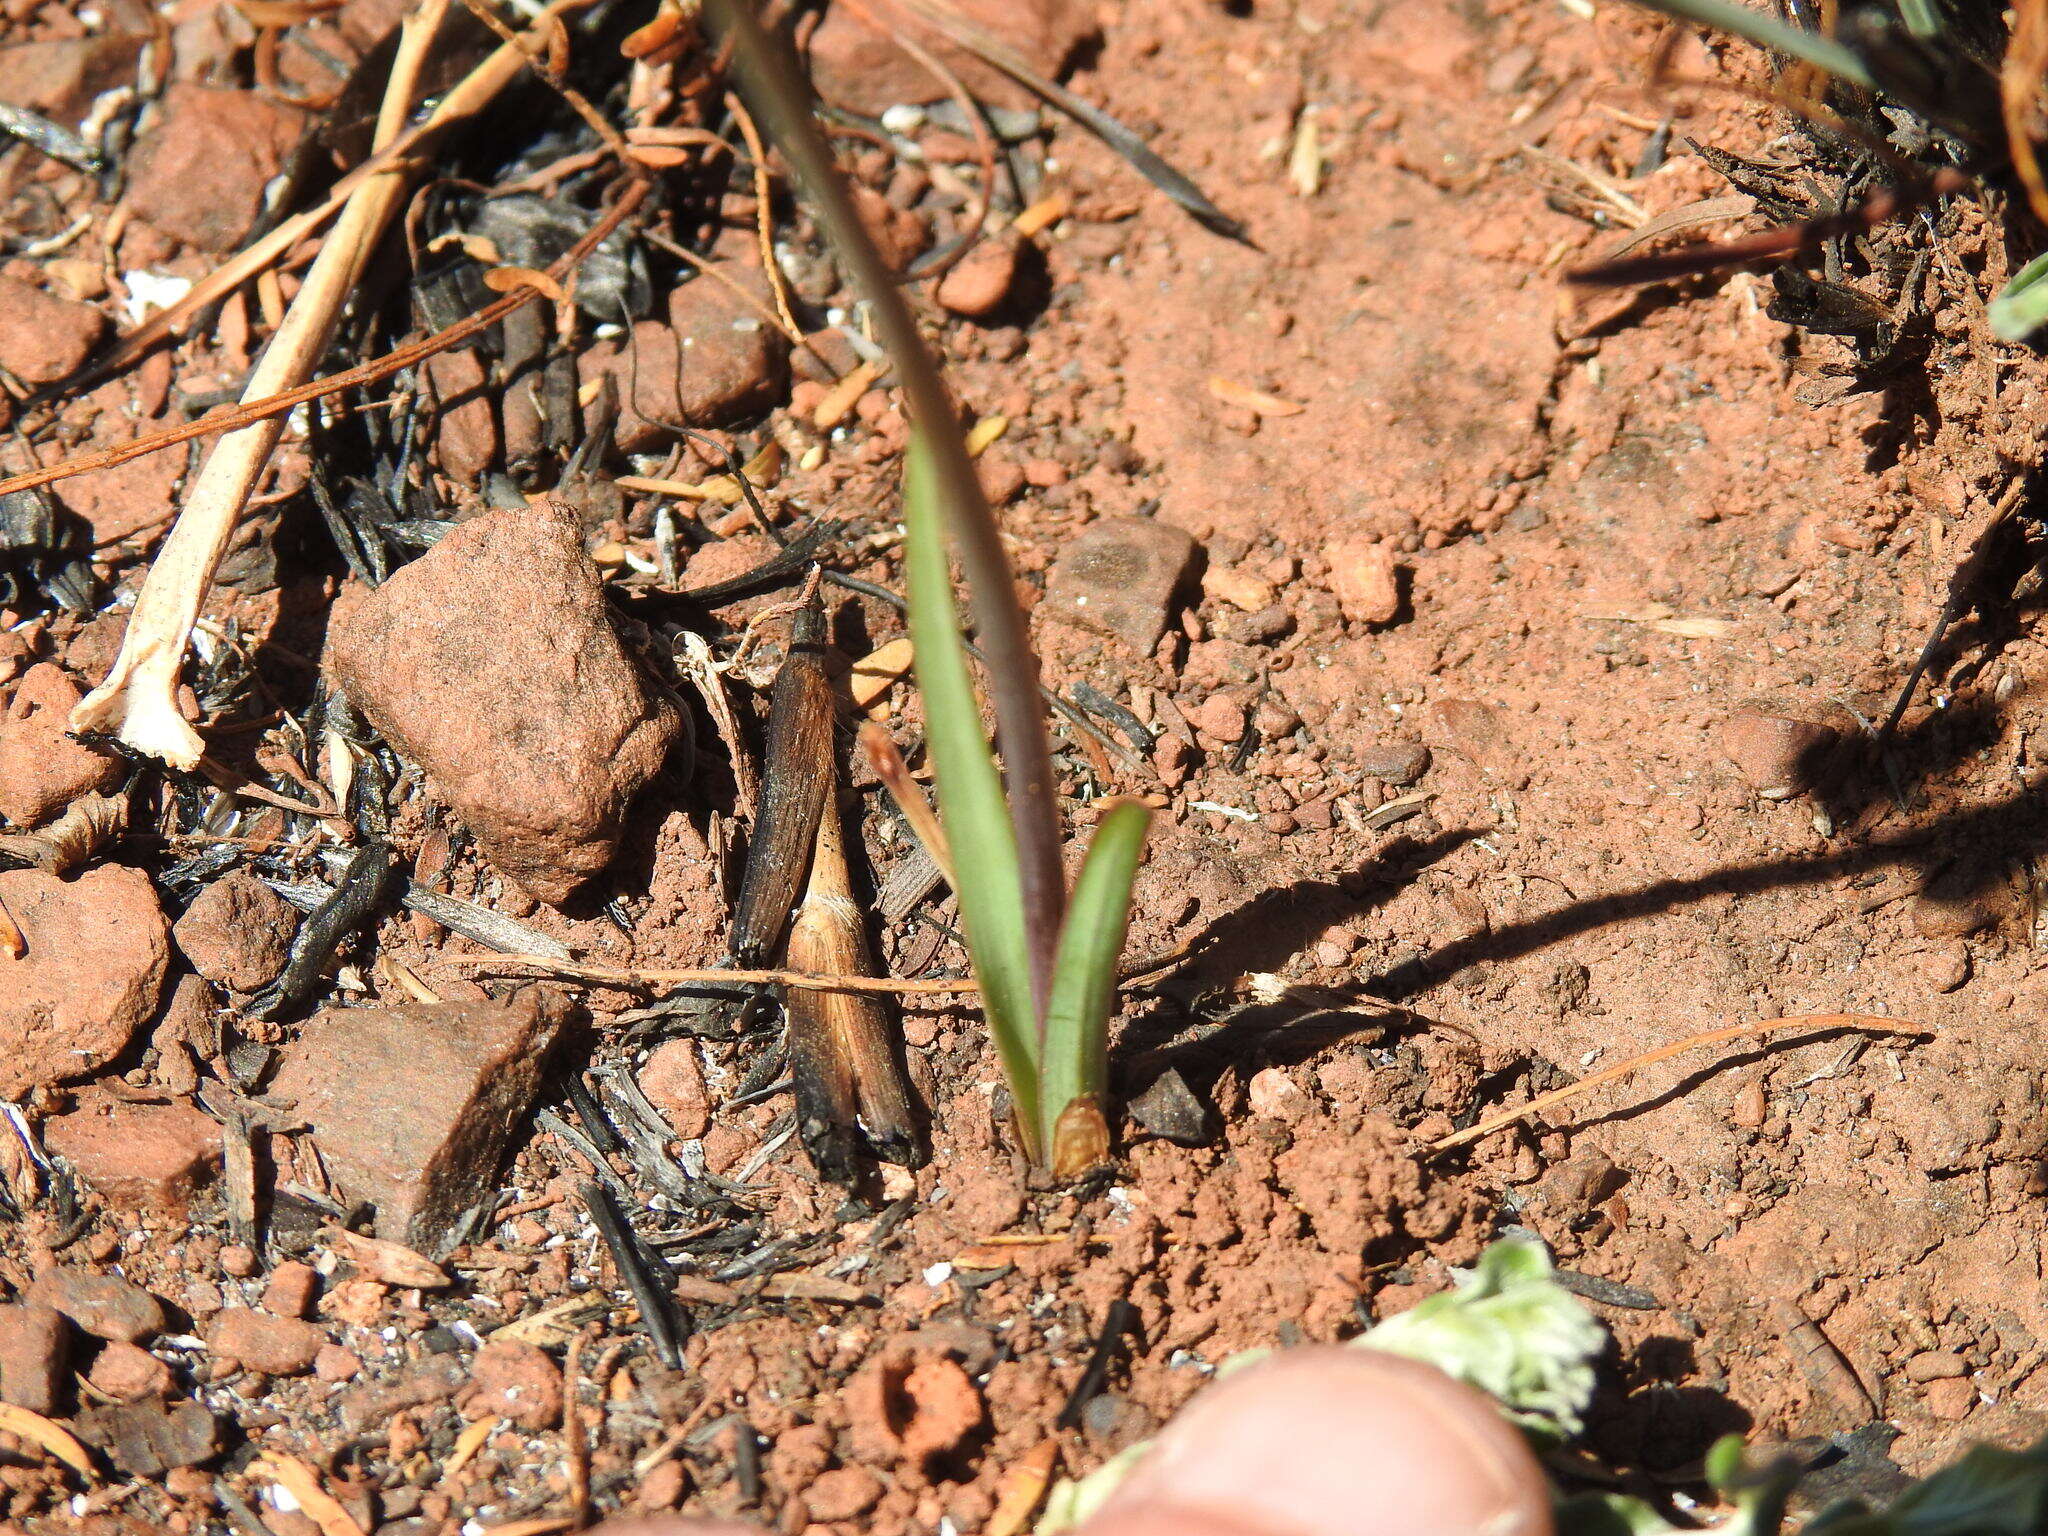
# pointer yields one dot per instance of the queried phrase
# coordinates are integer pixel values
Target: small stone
(291, 1290)
(122, 500)
(662, 1488)
(44, 337)
(1120, 577)
(1394, 761)
(148, 1156)
(237, 932)
(1218, 719)
(1947, 968)
(1170, 1110)
(1331, 955)
(1001, 477)
(1778, 755)
(466, 438)
(237, 1262)
(515, 1382)
(1964, 898)
(333, 1363)
(718, 362)
(899, 235)
(845, 1493)
(34, 1349)
(413, 1106)
(1936, 1365)
(1271, 1093)
(105, 1306)
(978, 285)
(128, 1373)
(1239, 588)
(98, 952)
(1366, 581)
(1951, 1400)
(199, 174)
(61, 76)
(42, 770)
(673, 1081)
(276, 1346)
(146, 1439)
(537, 742)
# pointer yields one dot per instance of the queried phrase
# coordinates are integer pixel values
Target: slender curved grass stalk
(1046, 970)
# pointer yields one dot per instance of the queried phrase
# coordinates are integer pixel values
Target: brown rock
(467, 439)
(1951, 1399)
(146, 1439)
(59, 77)
(291, 1290)
(717, 362)
(34, 1346)
(148, 1156)
(413, 1107)
(42, 770)
(128, 1373)
(105, 1306)
(859, 68)
(1366, 581)
(1936, 1365)
(1777, 754)
(1964, 898)
(98, 951)
(334, 1363)
(845, 1493)
(1218, 719)
(491, 661)
(1397, 761)
(673, 1081)
(276, 1346)
(1120, 577)
(199, 174)
(515, 1382)
(44, 337)
(237, 932)
(978, 285)
(900, 235)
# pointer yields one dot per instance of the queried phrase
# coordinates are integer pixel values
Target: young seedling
(1046, 963)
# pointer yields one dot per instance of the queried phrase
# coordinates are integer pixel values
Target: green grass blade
(1076, 1062)
(2021, 307)
(1766, 31)
(972, 809)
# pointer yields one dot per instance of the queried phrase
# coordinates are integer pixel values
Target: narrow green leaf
(2021, 307)
(1766, 31)
(1076, 1061)
(970, 793)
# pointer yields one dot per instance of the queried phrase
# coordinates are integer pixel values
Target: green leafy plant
(1046, 961)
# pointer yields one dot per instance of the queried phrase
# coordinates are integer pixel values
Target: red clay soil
(1515, 723)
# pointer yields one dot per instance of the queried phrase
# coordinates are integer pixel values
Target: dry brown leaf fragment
(387, 1262)
(879, 671)
(505, 279)
(1257, 401)
(54, 1438)
(468, 1443)
(303, 1484)
(1022, 1489)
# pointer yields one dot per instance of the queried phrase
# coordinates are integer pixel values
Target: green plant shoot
(1046, 961)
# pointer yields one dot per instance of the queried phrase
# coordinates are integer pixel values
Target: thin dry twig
(634, 976)
(1502, 1119)
(764, 212)
(138, 701)
(395, 361)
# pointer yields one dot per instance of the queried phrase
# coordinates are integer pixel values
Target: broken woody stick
(137, 702)
(843, 1064)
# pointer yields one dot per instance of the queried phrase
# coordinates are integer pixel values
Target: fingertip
(1339, 1441)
